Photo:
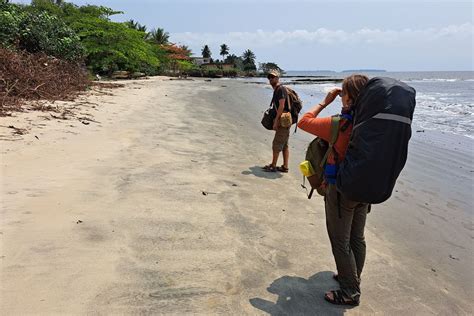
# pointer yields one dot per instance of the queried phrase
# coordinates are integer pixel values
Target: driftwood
(25, 76)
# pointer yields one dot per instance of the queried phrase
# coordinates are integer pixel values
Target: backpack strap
(287, 98)
(289, 108)
(334, 134)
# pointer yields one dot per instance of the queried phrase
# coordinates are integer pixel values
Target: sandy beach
(151, 200)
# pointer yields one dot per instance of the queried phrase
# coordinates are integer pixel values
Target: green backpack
(317, 154)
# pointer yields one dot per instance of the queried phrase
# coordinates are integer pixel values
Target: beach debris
(120, 74)
(137, 74)
(234, 185)
(85, 123)
(24, 77)
(84, 118)
(454, 258)
(433, 269)
(208, 80)
(36, 137)
(62, 117)
(207, 193)
(420, 131)
(79, 221)
(283, 210)
(18, 131)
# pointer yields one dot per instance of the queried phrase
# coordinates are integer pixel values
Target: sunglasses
(270, 77)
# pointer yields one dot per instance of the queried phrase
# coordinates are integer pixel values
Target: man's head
(273, 77)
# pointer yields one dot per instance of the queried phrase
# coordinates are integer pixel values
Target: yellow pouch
(306, 168)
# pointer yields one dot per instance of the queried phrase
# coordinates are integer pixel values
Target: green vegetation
(35, 31)
(85, 34)
(114, 46)
(224, 51)
(266, 67)
(158, 36)
(249, 61)
(206, 52)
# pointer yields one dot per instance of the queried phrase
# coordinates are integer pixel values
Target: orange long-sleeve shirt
(321, 127)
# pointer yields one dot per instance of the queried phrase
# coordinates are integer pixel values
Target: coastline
(176, 216)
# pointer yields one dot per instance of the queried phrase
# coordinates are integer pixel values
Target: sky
(404, 35)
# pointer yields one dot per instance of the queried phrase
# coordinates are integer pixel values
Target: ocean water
(444, 99)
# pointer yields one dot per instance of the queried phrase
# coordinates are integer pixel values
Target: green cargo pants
(345, 222)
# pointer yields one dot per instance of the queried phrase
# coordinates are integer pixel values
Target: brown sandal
(282, 169)
(269, 168)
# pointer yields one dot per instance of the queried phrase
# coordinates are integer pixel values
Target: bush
(213, 73)
(10, 18)
(230, 73)
(113, 46)
(23, 28)
(42, 32)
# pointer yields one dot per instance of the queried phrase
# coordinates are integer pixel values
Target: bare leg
(286, 157)
(275, 158)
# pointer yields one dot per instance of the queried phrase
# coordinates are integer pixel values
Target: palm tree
(249, 60)
(141, 28)
(235, 60)
(137, 26)
(186, 50)
(224, 51)
(131, 24)
(206, 52)
(159, 36)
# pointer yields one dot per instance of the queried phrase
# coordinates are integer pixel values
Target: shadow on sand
(300, 296)
(258, 172)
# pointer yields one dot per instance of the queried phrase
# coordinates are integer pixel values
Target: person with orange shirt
(345, 219)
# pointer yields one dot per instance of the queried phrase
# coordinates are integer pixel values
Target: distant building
(201, 60)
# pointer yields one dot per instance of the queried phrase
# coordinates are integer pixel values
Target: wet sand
(159, 206)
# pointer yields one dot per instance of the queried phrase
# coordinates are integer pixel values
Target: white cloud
(325, 36)
(442, 48)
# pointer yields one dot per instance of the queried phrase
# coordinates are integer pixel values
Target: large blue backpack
(378, 146)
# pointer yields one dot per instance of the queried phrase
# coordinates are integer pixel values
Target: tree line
(86, 34)
(244, 63)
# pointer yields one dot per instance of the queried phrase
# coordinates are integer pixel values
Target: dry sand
(159, 206)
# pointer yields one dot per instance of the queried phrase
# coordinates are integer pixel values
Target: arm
(281, 106)
(311, 123)
(327, 100)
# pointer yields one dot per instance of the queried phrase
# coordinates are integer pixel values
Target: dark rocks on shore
(316, 80)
